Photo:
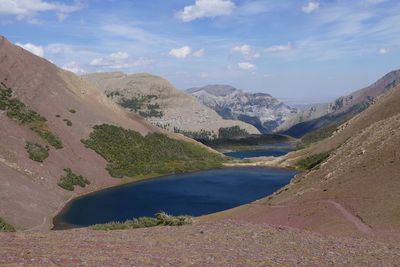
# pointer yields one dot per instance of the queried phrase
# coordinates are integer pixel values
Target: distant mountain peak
(259, 109)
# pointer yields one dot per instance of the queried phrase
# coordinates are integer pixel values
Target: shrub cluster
(71, 179)
(312, 161)
(37, 152)
(142, 105)
(231, 132)
(6, 227)
(128, 153)
(17, 110)
(199, 135)
(160, 219)
(67, 122)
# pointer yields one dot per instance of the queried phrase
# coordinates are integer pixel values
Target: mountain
(340, 110)
(261, 110)
(161, 104)
(342, 213)
(55, 136)
(354, 191)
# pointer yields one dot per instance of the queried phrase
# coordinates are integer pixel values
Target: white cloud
(203, 75)
(206, 8)
(199, 53)
(310, 7)
(74, 67)
(246, 66)
(118, 60)
(279, 48)
(182, 52)
(34, 49)
(119, 56)
(383, 51)
(246, 51)
(25, 9)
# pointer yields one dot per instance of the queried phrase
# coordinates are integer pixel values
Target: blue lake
(193, 194)
(257, 153)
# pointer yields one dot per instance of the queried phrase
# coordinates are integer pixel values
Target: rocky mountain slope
(160, 103)
(261, 110)
(45, 112)
(352, 193)
(339, 110)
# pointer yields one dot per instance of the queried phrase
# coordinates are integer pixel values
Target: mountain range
(160, 103)
(340, 110)
(62, 137)
(262, 110)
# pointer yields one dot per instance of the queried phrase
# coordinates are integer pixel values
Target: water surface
(193, 194)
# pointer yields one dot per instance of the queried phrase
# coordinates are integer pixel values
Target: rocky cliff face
(341, 109)
(160, 103)
(261, 110)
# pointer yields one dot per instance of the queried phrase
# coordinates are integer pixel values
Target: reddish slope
(355, 192)
(28, 187)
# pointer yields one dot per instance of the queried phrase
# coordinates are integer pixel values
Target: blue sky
(299, 51)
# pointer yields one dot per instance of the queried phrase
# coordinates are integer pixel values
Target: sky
(301, 51)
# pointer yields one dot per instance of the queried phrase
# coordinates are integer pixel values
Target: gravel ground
(221, 243)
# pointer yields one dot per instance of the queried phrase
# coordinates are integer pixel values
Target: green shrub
(67, 122)
(141, 104)
(37, 152)
(47, 135)
(71, 179)
(17, 110)
(143, 222)
(6, 227)
(72, 110)
(312, 161)
(128, 153)
(231, 132)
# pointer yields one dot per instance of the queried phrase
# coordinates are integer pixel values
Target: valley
(108, 159)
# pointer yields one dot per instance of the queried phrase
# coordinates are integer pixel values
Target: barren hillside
(355, 192)
(52, 110)
(160, 103)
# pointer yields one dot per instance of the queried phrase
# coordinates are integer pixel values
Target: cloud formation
(383, 51)
(26, 9)
(74, 67)
(279, 48)
(182, 52)
(34, 49)
(246, 66)
(199, 53)
(206, 9)
(310, 7)
(246, 51)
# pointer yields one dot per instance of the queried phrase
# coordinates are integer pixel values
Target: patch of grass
(231, 132)
(202, 134)
(37, 152)
(67, 122)
(160, 219)
(130, 154)
(70, 180)
(312, 161)
(46, 134)
(18, 111)
(141, 104)
(6, 227)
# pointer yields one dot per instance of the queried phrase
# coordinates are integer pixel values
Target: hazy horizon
(301, 51)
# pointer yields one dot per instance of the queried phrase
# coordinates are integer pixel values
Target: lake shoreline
(56, 222)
